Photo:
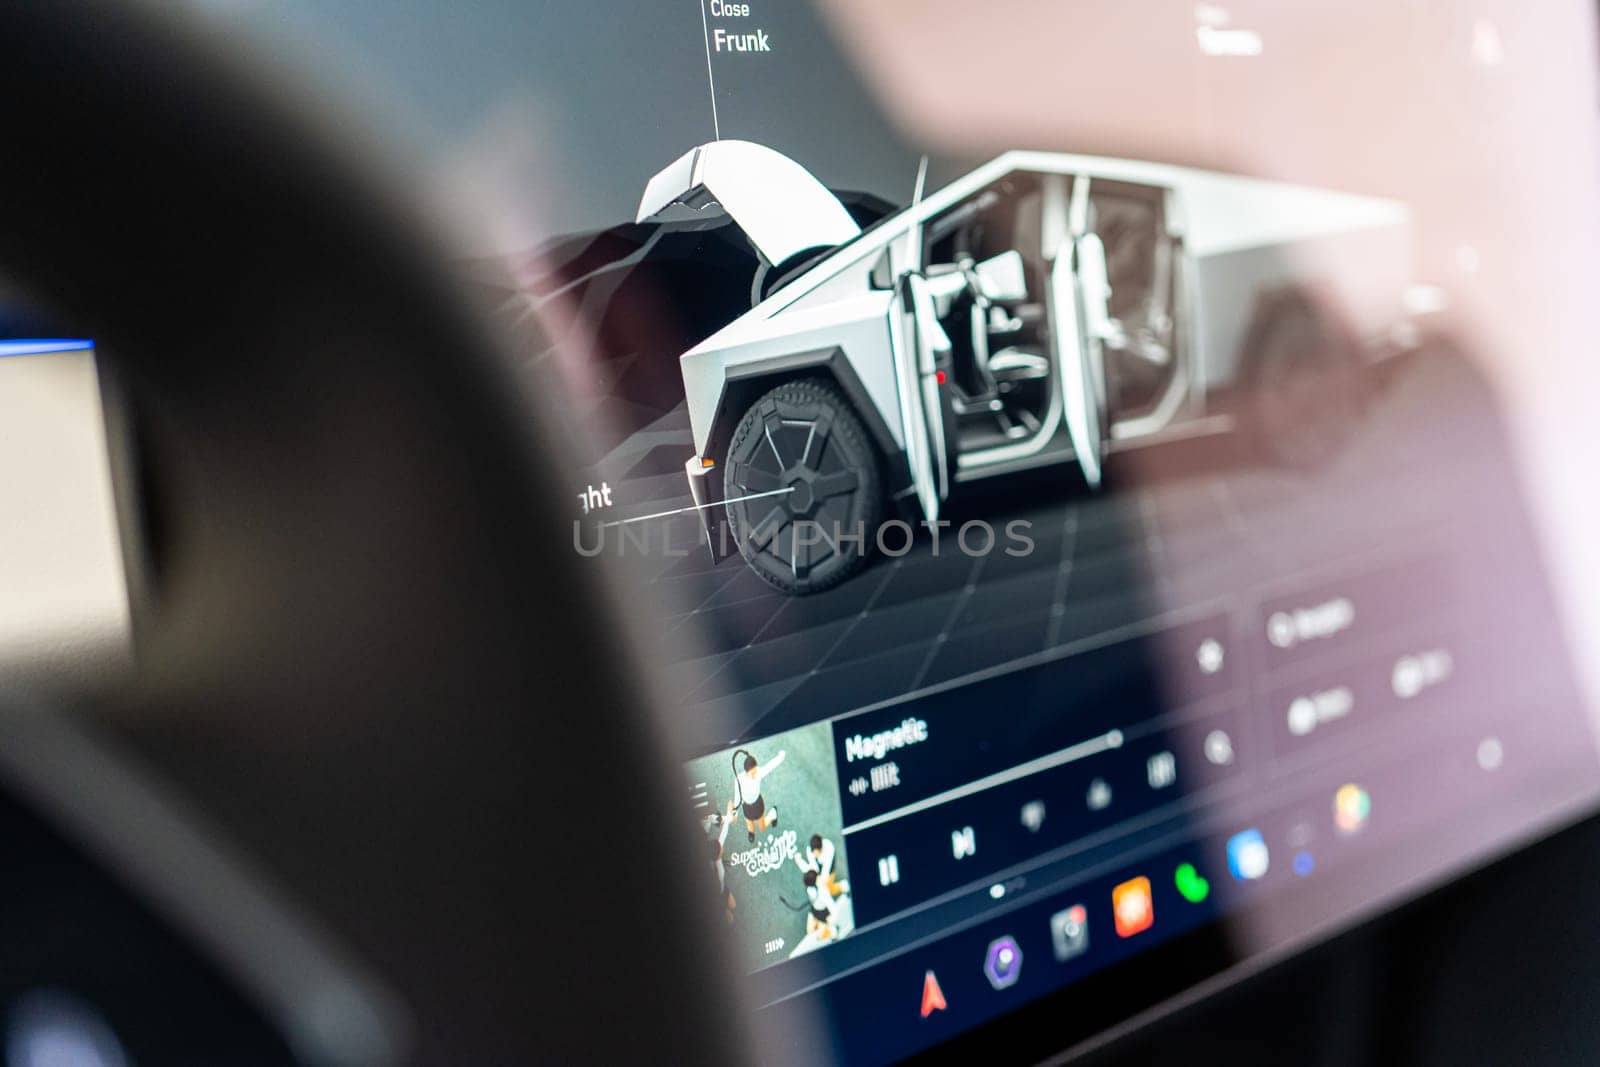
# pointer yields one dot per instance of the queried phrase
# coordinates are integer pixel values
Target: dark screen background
(577, 104)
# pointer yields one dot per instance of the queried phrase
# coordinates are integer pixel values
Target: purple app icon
(1002, 964)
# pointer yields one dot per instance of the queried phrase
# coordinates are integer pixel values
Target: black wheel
(803, 489)
(1305, 393)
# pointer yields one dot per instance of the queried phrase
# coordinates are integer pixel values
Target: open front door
(923, 348)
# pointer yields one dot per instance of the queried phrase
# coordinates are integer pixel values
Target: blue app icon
(1247, 855)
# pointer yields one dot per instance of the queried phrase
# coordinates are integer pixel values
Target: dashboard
(1080, 569)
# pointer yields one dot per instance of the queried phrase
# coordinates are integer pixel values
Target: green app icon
(1193, 888)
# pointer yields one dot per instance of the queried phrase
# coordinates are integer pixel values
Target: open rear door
(1080, 405)
(1076, 336)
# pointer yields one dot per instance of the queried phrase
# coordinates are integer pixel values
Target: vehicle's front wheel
(803, 488)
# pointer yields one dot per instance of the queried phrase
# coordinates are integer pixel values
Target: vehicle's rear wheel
(803, 487)
(1305, 395)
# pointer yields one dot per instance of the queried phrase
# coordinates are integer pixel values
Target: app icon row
(1248, 859)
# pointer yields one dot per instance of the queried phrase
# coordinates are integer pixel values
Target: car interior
(1000, 348)
(1117, 587)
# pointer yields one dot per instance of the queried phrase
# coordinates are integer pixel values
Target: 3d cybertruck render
(1043, 309)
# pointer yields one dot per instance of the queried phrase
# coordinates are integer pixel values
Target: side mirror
(1003, 278)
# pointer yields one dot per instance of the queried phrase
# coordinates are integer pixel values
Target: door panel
(921, 342)
(1080, 397)
(1094, 293)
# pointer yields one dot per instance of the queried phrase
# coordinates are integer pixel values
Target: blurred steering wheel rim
(362, 656)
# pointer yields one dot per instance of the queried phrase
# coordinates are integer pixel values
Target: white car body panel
(859, 326)
(1242, 238)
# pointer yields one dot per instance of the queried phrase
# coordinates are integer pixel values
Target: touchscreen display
(1074, 570)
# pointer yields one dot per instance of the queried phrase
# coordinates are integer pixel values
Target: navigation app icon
(932, 995)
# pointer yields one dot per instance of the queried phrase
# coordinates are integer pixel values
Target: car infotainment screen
(1081, 545)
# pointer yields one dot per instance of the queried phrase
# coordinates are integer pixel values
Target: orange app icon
(1132, 907)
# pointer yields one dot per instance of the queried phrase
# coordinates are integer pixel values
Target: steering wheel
(362, 652)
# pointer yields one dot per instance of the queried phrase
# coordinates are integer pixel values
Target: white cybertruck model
(1043, 309)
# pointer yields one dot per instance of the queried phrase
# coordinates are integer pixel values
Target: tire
(804, 437)
(1305, 393)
